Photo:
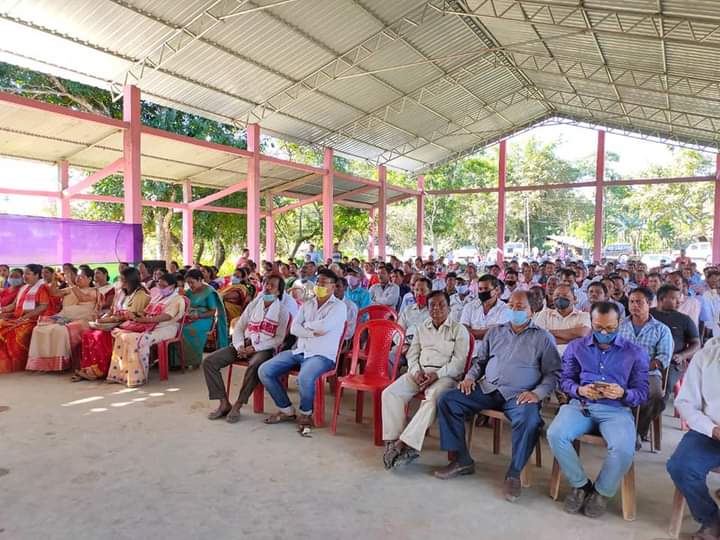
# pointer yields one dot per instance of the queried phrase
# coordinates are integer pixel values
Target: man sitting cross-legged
(605, 376)
(319, 328)
(436, 360)
(517, 367)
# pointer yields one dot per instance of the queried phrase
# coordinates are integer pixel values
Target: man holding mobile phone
(605, 376)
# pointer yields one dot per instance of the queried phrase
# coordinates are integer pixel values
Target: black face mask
(511, 283)
(562, 303)
(485, 296)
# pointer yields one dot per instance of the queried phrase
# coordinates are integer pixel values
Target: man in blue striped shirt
(642, 329)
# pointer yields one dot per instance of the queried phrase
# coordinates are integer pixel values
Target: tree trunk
(219, 253)
(166, 243)
(200, 250)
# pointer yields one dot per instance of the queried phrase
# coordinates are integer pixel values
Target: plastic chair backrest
(381, 336)
(468, 362)
(377, 311)
(184, 317)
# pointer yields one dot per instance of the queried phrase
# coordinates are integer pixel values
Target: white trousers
(394, 399)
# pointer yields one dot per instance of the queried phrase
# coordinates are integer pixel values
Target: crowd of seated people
(610, 343)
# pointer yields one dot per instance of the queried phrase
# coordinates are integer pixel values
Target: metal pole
(269, 228)
(502, 176)
(187, 224)
(420, 234)
(716, 216)
(382, 212)
(599, 196)
(253, 192)
(327, 203)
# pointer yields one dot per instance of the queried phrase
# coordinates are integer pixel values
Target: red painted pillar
(131, 166)
(716, 215)
(382, 212)
(253, 192)
(63, 183)
(371, 236)
(327, 203)
(502, 177)
(599, 196)
(187, 224)
(269, 228)
(420, 233)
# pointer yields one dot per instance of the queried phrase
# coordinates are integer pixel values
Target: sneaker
(453, 469)
(390, 455)
(512, 489)
(575, 500)
(595, 505)
(406, 457)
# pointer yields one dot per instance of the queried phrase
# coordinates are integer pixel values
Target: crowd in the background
(607, 343)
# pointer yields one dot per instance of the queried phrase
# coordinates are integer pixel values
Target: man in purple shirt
(605, 376)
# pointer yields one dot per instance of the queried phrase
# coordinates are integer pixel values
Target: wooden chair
(656, 424)
(627, 488)
(678, 510)
(498, 418)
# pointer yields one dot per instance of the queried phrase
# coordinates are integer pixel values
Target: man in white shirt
(385, 293)
(712, 299)
(480, 315)
(456, 302)
(699, 450)
(352, 309)
(261, 329)
(319, 328)
(412, 316)
(436, 362)
(565, 322)
(511, 285)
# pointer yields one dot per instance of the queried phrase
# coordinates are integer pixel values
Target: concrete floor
(93, 460)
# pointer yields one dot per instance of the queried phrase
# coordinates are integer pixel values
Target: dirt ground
(95, 461)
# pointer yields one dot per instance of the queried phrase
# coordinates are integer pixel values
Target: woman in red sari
(9, 293)
(18, 320)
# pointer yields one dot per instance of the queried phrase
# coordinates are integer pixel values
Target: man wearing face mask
(319, 329)
(565, 322)
(516, 368)
(511, 285)
(487, 311)
(397, 277)
(356, 293)
(412, 316)
(618, 292)
(567, 277)
(605, 376)
(384, 292)
(456, 302)
(437, 284)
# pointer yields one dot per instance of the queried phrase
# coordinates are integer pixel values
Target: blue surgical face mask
(605, 339)
(15, 281)
(269, 297)
(462, 289)
(235, 280)
(518, 318)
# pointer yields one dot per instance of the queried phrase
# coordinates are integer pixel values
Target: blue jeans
(454, 406)
(694, 458)
(311, 368)
(617, 427)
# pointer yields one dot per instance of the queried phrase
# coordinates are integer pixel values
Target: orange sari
(15, 336)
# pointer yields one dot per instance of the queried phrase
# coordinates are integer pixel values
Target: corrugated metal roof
(435, 91)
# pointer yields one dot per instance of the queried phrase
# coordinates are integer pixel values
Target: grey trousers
(654, 406)
(213, 364)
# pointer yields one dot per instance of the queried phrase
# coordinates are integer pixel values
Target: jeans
(617, 427)
(310, 370)
(454, 406)
(694, 458)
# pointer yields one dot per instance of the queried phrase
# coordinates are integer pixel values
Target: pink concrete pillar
(63, 183)
(502, 177)
(327, 203)
(371, 235)
(253, 192)
(420, 233)
(382, 212)
(716, 215)
(599, 196)
(269, 228)
(132, 199)
(187, 224)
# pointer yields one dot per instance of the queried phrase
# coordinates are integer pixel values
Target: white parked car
(699, 251)
(655, 260)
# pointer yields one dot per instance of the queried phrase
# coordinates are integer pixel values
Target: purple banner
(39, 240)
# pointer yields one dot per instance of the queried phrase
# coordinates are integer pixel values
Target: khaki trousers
(394, 399)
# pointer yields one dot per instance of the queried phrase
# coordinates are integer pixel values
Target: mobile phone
(601, 384)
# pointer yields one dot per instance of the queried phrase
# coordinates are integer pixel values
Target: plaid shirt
(654, 337)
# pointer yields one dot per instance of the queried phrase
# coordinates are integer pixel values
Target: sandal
(279, 418)
(217, 414)
(233, 417)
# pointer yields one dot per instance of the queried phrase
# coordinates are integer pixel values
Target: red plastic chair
(377, 311)
(259, 392)
(163, 347)
(376, 376)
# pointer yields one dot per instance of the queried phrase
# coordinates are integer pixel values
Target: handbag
(138, 327)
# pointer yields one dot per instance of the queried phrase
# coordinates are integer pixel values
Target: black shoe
(595, 505)
(576, 498)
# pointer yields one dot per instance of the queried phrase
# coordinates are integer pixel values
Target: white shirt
(290, 304)
(474, 316)
(352, 313)
(388, 296)
(507, 293)
(438, 284)
(550, 319)
(456, 307)
(266, 342)
(699, 399)
(329, 318)
(713, 301)
(411, 317)
(691, 307)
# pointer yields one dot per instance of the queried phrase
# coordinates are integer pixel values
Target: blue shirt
(359, 296)
(623, 363)
(654, 337)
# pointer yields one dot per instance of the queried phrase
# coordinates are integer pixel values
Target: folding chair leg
(657, 432)
(471, 430)
(628, 495)
(377, 417)
(678, 509)
(538, 454)
(555, 480)
(163, 361)
(336, 409)
(359, 404)
(259, 399)
(497, 435)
